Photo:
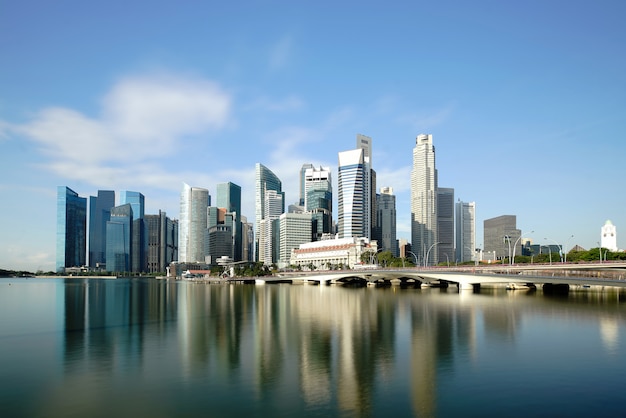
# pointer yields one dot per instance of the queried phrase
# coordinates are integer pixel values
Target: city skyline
(525, 122)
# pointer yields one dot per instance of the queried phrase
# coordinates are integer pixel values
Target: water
(142, 347)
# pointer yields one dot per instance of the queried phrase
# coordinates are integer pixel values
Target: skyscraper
(501, 234)
(229, 197)
(365, 143)
(303, 170)
(71, 240)
(162, 241)
(265, 180)
(119, 239)
(445, 224)
(353, 193)
(386, 221)
(139, 248)
(319, 200)
(99, 214)
(465, 231)
(295, 229)
(269, 236)
(192, 225)
(424, 199)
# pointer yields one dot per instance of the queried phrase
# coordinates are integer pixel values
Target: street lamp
(566, 246)
(373, 255)
(512, 260)
(428, 253)
(507, 238)
(416, 260)
(560, 247)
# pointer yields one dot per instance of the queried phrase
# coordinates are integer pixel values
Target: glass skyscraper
(140, 239)
(386, 221)
(352, 194)
(99, 214)
(445, 224)
(229, 197)
(319, 200)
(465, 231)
(265, 180)
(119, 239)
(71, 242)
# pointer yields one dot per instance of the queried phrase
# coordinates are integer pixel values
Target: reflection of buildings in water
(442, 329)
(357, 326)
(609, 332)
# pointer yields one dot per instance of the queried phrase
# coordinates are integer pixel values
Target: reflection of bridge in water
(513, 277)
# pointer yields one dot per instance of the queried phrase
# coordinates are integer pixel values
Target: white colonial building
(609, 236)
(333, 253)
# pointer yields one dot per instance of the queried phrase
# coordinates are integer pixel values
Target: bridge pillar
(467, 286)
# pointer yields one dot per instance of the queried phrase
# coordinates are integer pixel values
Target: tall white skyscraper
(609, 236)
(265, 180)
(424, 199)
(352, 191)
(269, 237)
(365, 143)
(465, 231)
(192, 224)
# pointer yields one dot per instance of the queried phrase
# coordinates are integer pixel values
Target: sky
(526, 102)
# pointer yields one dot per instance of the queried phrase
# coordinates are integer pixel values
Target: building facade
(269, 236)
(445, 225)
(424, 199)
(99, 214)
(136, 201)
(386, 221)
(465, 231)
(192, 225)
(501, 235)
(162, 241)
(295, 229)
(265, 180)
(332, 254)
(71, 236)
(318, 201)
(119, 250)
(352, 195)
(228, 196)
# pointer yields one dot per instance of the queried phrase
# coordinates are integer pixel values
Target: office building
(119, 239)
(502, 236)
(99, 214)
(386, 221)
(295, 229)
(354, 195)
(247, 240)
(220, 224)
(228, 196)
(192, 225)
(465, 231)
(302, 196)
(424, 199)
(136, 201)
(162, 241)
(365, 143)
(608, 238)
(71, 239)
(318, 200)
(445, 225)
(266, 181)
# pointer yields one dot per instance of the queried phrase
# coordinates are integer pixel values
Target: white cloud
(266, 104)
(142, 118)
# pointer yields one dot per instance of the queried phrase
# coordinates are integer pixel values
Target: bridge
(511, 277)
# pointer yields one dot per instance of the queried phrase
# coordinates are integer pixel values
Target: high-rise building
(139, 257)
(424, 199)
(269, 235)
(465, 231)
(119, 239)
(445, 224)
(71, 243)
(303, 170)
(247, 241)
(365, 143)
(608, 237)
(386, 221)
(220, 223)
(295, 229)
(501, 235)
(99, 214)
(319, 200)
(228, 196)
(353, 193)
(192, 224)
(265, 180)
(162, 241)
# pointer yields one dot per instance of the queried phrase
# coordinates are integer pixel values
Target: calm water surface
(142, 347)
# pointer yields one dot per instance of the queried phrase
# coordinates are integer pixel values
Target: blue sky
(526, 102)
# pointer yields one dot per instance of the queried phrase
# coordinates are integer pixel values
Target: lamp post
(416, 261)
(512, 260)
(566, 247)
(507, 238)
(373, 255)
(560, 249)
(428, 253)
